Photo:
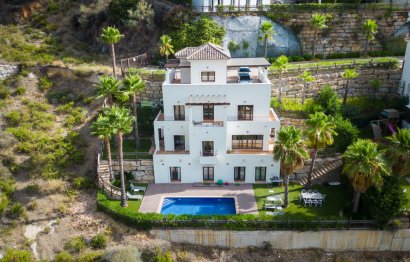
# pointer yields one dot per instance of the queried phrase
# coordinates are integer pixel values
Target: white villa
(214, 125)
(211, 5)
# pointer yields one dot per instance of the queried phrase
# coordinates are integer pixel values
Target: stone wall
(344, 33)
(142, 170)
(152, 92)
(360, 240)
(292, 85)
(7, 70)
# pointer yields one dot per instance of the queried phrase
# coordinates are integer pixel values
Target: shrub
(4, 201)
(13, 118)
(7, 186)
(64, 256)
(90, 256)
(15, 255)
(347, 133)
(4, 93)
(75, 244)
(163, 256)
(328, 100)
(99, 241)
(20, 91)
(386, 203)
(45, 83)
(83, 183)
(118, 10)
(33, 189)
(16, 211)
(7, 140)
(119, 254)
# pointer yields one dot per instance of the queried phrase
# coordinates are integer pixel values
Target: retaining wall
(366, 240)
(142, 170)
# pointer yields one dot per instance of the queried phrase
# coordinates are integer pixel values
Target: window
(207, 148)
(208, 76)
(208, 112)
(247, 142)
(179, 112)
(239, 173)
(179, 142)
(208, 173)
(245, 112)
(175, 173)
(260, 173)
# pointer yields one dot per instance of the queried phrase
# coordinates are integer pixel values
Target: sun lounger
(137, 188)
(278, 213)
(134, 197)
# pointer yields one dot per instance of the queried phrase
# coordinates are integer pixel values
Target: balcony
(161, 117)
(208, 123)
(271, 118)
(169, 152)
(249, 152)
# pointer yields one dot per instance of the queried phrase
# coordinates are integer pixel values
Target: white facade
(206, 117)
(211, 5)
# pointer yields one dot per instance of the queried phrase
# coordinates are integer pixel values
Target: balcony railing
(208, 123)
(207, 153)
(272, 117)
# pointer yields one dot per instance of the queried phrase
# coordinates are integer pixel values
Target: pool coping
(163, 197)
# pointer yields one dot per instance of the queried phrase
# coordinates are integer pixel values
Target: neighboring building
(231, 5)
(215, 127)
(404, 31)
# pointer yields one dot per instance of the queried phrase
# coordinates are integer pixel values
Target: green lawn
(130, 152)
(337, 197)
(406, 185)
(133, 205)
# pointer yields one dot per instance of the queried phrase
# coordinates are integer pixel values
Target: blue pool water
(198, 206)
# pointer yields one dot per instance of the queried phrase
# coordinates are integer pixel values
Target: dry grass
(52, 186)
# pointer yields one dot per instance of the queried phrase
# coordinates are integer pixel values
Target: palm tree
(266, 32)
(290, 150)
(103, 129)
(307, 77)
(134, 84)
(365, 166)
(281, 64)
(399, 152)
(348, 75)
(107, 87)
(121, 121)
(318, 22)
(320, 132)
(110, 36)
(370, 30)
(165, 46)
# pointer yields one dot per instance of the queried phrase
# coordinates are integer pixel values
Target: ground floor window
(239, 173)
(175, 173)
(260, 173)
(208, 173)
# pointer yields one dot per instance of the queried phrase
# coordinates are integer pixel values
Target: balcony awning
(199, 100)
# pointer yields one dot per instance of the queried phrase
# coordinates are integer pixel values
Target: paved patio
(243, 194)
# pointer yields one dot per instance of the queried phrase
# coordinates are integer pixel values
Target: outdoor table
(273, 198)
(317, 196)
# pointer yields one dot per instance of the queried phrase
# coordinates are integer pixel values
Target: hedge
(147, 221)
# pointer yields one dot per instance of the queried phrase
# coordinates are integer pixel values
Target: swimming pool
(198, 206)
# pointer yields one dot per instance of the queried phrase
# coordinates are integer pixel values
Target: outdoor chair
(309, 191)
(315, 191)
(307, 202)
(303, 190)
(134, 197)
(137, 188)
(320, 202)
(300, 198)
(324, 197)
(315, 202)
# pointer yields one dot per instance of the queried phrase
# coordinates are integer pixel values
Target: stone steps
(323, 170)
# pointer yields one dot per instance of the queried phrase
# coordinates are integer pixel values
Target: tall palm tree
(134, 85)
(320, 132)
(365, 166)
(290, 150)
(107, 88)
(370, 28)
(165, 46)
(318, 22)
(121, 121)
(307, 77)
(111, 36)
(266, 32)
(281, 64)
(103, 129)
(399, 152)
(348, 75)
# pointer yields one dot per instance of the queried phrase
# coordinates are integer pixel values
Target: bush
(33, 189)
(4, 93)
(13, 118)
(163, 256)
(16, 211)
(45, 83)
(64, 256)
(347, 133)
(99, 241)
(20, 91)
(118, 10)
(328, 100)
(4, 201)
(385, 204)
(15, 255)
(75, 244)
(90, 256)
(83, 183)
(119, 254)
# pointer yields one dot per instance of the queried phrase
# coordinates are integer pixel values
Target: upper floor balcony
(272, 117)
